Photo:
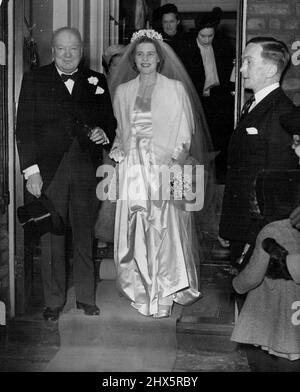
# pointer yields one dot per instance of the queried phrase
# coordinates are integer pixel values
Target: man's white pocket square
(252, 131)
(99, 90)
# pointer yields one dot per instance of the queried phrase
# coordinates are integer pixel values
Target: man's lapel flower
(93, 80)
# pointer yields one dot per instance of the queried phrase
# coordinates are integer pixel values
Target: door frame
(240, 45)
(106, 35)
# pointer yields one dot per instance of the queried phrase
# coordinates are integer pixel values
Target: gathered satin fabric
(154, 252)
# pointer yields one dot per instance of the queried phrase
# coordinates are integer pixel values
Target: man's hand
(98, 136)
(224, 243)
(34, 184)
(295, 218)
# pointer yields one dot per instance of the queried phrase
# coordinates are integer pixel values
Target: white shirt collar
(60, 72)
(69, 83)
(261, 94)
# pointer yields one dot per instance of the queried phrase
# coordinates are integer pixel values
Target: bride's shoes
(163, 311)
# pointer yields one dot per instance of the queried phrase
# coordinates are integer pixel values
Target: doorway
(234, 22)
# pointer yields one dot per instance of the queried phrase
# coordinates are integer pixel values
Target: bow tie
(66, 77)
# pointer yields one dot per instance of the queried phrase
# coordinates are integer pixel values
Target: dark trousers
(261, 361)
(73, 194)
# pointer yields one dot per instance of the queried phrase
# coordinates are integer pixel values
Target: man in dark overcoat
(258, 142)
(64, 119)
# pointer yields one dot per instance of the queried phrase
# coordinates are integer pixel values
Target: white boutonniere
(99, 90)
(93, 80)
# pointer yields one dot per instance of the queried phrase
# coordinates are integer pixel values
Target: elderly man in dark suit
(65, 117)
(259, 141)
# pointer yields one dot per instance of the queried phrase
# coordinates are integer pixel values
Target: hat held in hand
(39, 217)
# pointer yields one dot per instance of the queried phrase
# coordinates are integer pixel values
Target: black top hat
(39, 217)
(211, 20)
(291, 121)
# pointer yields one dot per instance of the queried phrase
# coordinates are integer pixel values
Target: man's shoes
(90, 310)
(52, 314)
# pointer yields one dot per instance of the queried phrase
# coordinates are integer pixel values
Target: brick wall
(281, 20)
(4, 276)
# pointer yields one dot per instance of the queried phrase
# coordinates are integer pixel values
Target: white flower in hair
(152, 34)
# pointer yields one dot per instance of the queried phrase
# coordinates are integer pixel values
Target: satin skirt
(155, 251)
(154, 242)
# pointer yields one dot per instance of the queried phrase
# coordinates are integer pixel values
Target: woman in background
(218, 103)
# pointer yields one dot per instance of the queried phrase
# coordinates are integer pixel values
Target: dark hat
(210, 20)
(168, 9)
(39, 217)
(291, 121)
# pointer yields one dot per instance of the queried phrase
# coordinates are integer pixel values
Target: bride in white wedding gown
(155, 242)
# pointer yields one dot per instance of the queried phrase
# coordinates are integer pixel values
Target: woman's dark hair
(146, 40)
(210, 21)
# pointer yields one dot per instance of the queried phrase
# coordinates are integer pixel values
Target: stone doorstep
(30, 331)
(205, 336)
(210, 361)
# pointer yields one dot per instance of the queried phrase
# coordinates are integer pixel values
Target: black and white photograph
(149, 190)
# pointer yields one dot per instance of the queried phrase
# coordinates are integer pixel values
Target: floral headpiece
(152, 34)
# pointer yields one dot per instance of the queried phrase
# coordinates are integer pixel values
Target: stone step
(208, 267)
(203, 342)
(196, 360)
(204, 325)
(205, 334)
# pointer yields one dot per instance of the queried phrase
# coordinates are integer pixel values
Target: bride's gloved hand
(117, 155)
(223, 242)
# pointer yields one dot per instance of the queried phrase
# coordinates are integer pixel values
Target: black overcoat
(49, 117)
(259, 142)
